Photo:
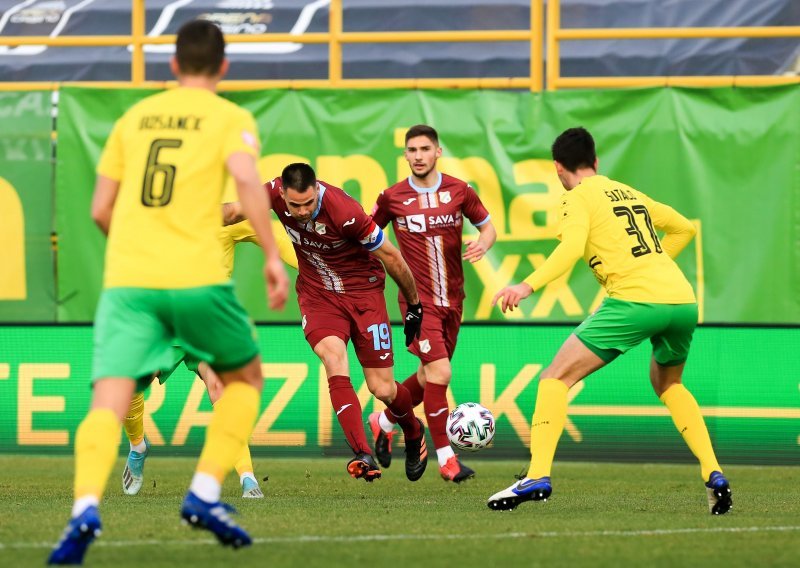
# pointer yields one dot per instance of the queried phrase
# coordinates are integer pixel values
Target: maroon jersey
(428, 225)
(333, 248)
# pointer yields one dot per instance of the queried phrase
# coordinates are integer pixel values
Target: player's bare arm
(256, 206)
(397, 268)
(105, 195)
(232, 213)
(477, 249)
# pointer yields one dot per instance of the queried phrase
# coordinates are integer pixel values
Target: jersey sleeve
(574, 212)
(242, 135)
(271, 188)
(285, 246)
(473, 208)
(573, 231)
(111, 164)
(381, 213)
(679, 230)
(359, 226)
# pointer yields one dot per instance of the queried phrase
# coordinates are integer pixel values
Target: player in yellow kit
(133, 473)
(613, 227)
(159, 186)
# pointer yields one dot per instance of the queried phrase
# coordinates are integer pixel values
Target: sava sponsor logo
(240, 22)
(420, 223)
(314, 244)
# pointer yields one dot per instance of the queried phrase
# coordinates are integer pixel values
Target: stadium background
(727, 157)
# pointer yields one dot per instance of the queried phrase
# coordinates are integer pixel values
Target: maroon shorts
(361, 317)
(437, 339)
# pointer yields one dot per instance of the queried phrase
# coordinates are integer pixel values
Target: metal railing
(335, 37)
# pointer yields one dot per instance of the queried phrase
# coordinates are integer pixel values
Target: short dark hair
(200, 48)
(298, 176)
(574, 149)
(423, 130)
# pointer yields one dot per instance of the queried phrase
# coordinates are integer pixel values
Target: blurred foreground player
(613, 227)
(162, 170)
(133, 473)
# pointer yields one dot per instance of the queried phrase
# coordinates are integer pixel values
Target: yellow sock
(134, 421)
(547, 424)
(689, 422)
(244, 463)
(232, 423)
(96, 446)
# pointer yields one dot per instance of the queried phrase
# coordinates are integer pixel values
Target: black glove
(413, 323)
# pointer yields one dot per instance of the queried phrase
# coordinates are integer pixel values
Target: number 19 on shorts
(381, 338)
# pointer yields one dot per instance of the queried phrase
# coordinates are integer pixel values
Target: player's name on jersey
(170, 122)
(620, 195)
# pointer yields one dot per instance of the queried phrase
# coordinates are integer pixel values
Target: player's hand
(413, 322)
(277, 283)
(475, 251)
(512, 296)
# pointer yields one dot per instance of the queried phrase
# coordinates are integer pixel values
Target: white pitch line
(411, 537)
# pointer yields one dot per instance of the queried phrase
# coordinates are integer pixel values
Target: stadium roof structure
(291, 60)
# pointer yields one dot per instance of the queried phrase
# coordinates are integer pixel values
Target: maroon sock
(436, 411)
(417, 394)
(348, 412)
(403, 412)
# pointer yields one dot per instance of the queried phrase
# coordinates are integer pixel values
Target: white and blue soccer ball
(470, 427)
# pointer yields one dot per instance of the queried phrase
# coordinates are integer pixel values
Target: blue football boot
(523, 490)
(214, 517)
(720, 496)
(77, 537)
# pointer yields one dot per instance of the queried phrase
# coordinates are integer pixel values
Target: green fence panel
(729, 159)
(745, 381)
(27, 283)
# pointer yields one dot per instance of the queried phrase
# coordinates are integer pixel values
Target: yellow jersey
(168, 152)
(243, 232)
(617, 227)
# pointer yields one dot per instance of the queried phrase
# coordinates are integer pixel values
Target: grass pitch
(315, 515)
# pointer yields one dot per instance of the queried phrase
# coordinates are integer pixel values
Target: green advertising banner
(27, 282)
(745, 381)
(729, 159)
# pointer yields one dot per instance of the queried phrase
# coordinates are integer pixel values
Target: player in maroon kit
(427, 211)
(340, 291)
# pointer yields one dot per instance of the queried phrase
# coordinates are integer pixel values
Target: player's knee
(441, 377)
(335, 363)
(551, 372)
(383, 391)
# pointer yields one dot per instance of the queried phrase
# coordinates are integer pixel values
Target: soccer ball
(470, 427)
